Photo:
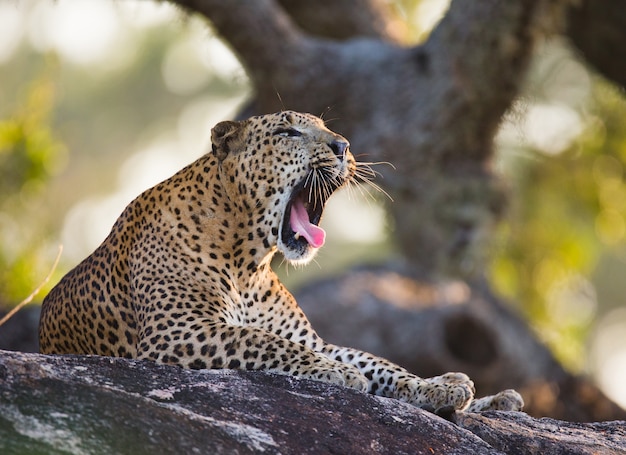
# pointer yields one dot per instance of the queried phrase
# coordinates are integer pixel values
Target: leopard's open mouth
(300, 225)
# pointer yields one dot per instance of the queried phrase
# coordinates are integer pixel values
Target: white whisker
(364, 174)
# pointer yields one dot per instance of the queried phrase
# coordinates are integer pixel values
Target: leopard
(185, 277)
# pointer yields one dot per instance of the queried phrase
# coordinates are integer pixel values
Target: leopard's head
(279, 170)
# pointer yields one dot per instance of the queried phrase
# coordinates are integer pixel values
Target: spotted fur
(184, 277)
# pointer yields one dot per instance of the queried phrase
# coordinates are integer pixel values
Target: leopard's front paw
(435, 395)
(507, 400)
(355, 379)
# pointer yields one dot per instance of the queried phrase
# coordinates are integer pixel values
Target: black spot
(198, 364)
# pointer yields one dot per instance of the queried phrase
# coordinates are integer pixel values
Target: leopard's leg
(220, 345)
(455, 390)
(385, 378)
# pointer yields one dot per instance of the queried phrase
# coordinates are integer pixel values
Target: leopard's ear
(227, 137)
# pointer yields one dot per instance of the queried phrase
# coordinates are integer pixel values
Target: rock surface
(94, 405)
(518, 433)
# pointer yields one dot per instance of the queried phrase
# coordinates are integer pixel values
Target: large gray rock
(518, 433)
(85, 405)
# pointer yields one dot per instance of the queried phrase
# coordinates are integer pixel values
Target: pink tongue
(300, 224)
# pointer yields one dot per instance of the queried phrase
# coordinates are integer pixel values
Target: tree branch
(345, 19)
(259, 31)
(483, 49)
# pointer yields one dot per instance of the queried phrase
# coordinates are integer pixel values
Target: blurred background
(100, 100)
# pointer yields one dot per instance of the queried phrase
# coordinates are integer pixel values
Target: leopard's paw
(355, 379)
(507, 400)
(435, 395)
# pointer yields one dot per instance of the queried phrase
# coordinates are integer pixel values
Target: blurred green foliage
(30, 153)
(28, 148)
(66, 130)
(568, 212)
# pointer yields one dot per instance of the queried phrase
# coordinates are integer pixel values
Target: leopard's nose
(339, 147)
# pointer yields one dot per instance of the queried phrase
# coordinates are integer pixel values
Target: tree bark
(345, 19)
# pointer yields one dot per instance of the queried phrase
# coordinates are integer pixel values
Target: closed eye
(287, 132)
